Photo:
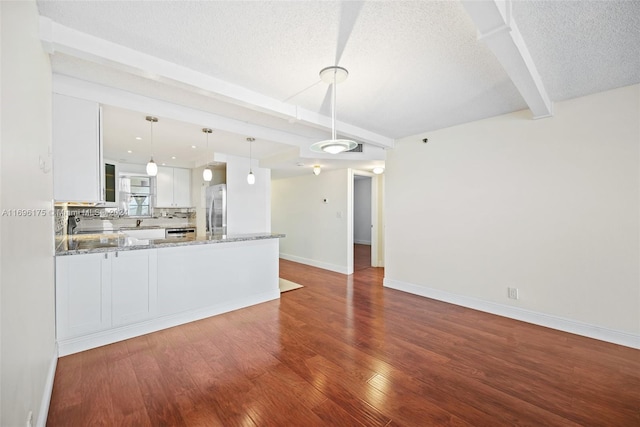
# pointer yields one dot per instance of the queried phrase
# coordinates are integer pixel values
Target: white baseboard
(48, 390)
(98, 339)
(362, 242)
(324, 265)
(536, 318)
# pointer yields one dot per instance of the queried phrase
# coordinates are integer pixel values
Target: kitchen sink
(144, 233)
(96, 244)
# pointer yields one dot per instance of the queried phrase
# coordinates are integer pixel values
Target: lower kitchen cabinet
(133, 286)
(102, 298)
(83, 295)
(96, 292)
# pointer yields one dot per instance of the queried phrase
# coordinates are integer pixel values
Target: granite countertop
(112, 242)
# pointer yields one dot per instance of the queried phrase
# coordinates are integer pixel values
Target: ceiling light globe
(152, 168)
(378, 170)
(333, 146)
(207, 174)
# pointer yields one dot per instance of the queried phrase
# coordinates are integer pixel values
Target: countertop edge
(169, 244)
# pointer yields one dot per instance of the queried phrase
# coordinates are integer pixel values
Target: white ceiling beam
(59, 38)
(70, 86)
(498, 30)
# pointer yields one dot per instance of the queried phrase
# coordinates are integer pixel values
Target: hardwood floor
(361, 257)
(344, 351)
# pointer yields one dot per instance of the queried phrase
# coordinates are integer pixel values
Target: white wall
(315, 234)
(548, 206)
(198, 199)
(362, 211)
(28, 351)
(248, 206)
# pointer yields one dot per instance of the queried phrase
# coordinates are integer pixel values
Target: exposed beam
(124, 99)
(498, 30)
(58, 38)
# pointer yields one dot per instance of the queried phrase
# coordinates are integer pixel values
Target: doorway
(362, 222)
(365, 234)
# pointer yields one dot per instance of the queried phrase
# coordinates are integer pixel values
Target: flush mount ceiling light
(152, 168)
(207, 173)
(378, 170)
(317, 170)
(251, 178)
(333, 75)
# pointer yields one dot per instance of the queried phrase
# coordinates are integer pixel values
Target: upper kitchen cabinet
(77, 150)
(173, 188)
(110, 183)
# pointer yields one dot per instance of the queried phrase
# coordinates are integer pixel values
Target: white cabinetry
(133, 286)
(107, 297)
(182, 188)
(83, 295)
(77, 150)
(173, 187)
(96, 292)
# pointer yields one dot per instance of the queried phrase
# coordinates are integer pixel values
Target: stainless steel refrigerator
(217, 209)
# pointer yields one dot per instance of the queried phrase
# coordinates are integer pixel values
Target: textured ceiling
(582, 47)
(414, 66)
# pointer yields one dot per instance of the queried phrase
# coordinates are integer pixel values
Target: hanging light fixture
(333, 75)
(251, 178)
(207, 173)
(152, 168)
(317, 170)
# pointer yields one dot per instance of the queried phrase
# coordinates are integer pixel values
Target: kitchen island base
(96, 305)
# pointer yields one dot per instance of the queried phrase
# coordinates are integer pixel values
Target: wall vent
(358, 149)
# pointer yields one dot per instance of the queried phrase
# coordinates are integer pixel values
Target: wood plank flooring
(344, 351)
(361, 257)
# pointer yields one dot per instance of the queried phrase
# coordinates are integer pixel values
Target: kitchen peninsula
(119, 274)
(115, 287)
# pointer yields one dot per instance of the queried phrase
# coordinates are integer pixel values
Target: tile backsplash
(106, 219)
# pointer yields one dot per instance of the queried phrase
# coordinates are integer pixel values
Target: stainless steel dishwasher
(180, 233)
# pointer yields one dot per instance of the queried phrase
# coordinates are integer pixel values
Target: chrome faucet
(138, 222)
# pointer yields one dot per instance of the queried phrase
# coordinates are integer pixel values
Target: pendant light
(333, 75)
(207, 173)
(251, 178)
(152, 168)
(317, 170)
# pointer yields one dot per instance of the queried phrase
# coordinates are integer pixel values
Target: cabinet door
(83, 294)
(164, 187)
(133, 286)
(77, 163)
(110, 184)
(182, 188)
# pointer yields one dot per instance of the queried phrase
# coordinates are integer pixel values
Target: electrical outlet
(513, 293)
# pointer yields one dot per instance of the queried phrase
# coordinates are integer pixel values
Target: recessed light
(164, 164)
(193, 146)
(129, 151)
(138, 138)
(173, 157)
